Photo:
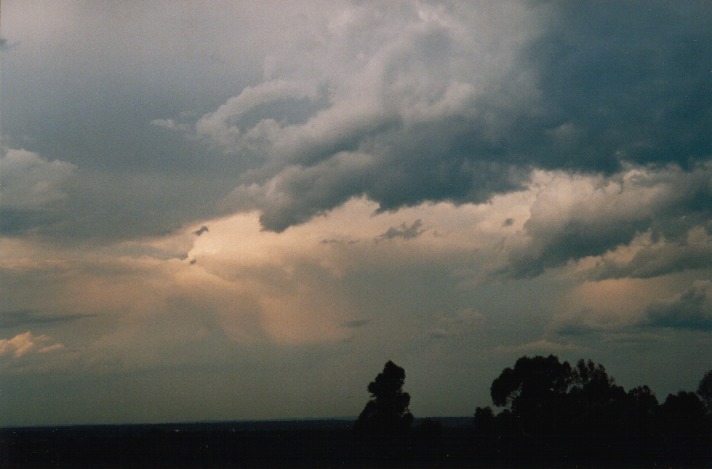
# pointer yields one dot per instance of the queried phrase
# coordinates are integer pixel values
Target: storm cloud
(404, 104)
(690, 309)
(29, 318)
(586, 216)
(263, 196)
(561, 94)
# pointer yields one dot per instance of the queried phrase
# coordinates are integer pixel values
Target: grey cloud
(17, 222)
(356, 323)
(82, 91)
(22, 318)
(621, 82)
(201, 230)
(562, 104)
(404, 231)
(303, 192)
(656, 260)
(576, 330)
(594, 220)
(462, 321)
(439, 334)
(403, 105)
(339, 241)
(124, 204)
(34, 192)
(31, 182)
(692, 309)
(414, 109)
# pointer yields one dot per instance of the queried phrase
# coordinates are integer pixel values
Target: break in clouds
(202, 185)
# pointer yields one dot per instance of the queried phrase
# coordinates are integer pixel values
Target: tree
(683, 414)
(592, 381)
(535, 390)
(704, 390)
(641, 410)
(596, 403)
(484, 421)
(387, 410)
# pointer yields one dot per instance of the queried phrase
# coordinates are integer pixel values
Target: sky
(218, 210)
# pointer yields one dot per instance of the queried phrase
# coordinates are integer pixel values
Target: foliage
(704, 390)
(387, 411)
(565, 411)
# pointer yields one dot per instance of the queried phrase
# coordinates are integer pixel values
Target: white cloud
(30, 182)
(25, 343)
(222, 126)
(170, 124)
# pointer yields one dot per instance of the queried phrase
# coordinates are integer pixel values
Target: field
(323, 444)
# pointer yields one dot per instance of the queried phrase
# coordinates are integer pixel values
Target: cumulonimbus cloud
(452, 110)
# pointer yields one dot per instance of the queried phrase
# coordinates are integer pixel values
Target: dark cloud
(201, 230)
(656, 260)
(442, 111)
(305, 192)
(577, 329)
(691, 309)
(442, 163)
(439, 334)
(17, 222)
(576, 219)
(621, 82)
(591, 96)
(25, 317)
(576, 239)
(597, 113)
(339, 241)
(356, 323)
(404, 231)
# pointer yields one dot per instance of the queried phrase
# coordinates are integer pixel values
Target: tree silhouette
(484, 421)
(704, 390)
(556, 412)
(642, 406)
(387, 410)
(592, 380)
(595, 402)
(534, 390)
(683, 414)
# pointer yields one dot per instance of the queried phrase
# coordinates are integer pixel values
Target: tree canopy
(387, 411)
(546, 400)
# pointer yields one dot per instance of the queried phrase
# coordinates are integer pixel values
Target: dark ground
(328, 444)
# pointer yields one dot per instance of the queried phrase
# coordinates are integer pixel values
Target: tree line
(555, 410)
(544, 413)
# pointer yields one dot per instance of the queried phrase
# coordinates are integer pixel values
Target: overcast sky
(243, 209)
